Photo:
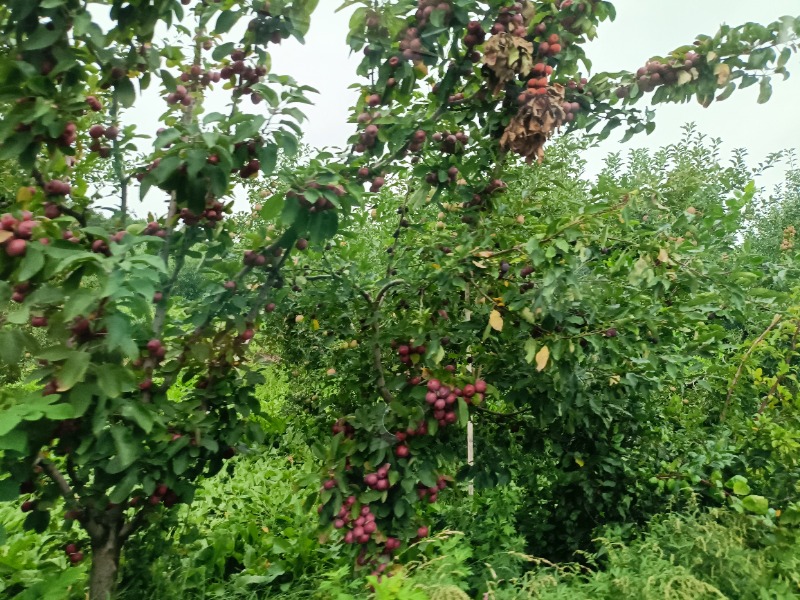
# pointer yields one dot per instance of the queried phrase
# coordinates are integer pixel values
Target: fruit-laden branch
(265, 289)
(274, 273)
(377, 358)
(80, 218)
(745, 52)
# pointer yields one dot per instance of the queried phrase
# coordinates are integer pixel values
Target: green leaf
(180, 463)
(765, 92)
(226, 20)
(739, 485)
(123, 489)
(223, 50)
(11, 348)
(38, 520)
(15, 440)
(463, 413)
(31, 264)
(9, 490)
(138, 413)
(119, 335)
(756, 504)
(73, 370)
(126, 446)
(42, 38)
(59, 412)
(125, 92)
(530, 350)
(268, 157)
(726, 93)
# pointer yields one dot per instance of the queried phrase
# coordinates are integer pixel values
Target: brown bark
(105, 565)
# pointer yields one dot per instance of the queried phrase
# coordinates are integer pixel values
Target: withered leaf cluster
(506, 56)
(534, 124)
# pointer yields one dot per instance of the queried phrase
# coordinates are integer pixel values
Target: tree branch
(130, 527)
(59, 479)
(780, 378)
(386, 288)
(500, 415)
(117, 162)
(775, 320)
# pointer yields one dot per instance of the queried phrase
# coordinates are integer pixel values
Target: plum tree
(100, 429)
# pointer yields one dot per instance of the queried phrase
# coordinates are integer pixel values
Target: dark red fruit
(39, 321)
(16, 247)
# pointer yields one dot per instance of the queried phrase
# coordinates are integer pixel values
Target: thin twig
(117, 162)
(775, 320)
(500, 415)
(780, 378)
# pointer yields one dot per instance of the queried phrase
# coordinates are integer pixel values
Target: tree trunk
(105, 566)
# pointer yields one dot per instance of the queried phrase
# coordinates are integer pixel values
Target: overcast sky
(643, 28)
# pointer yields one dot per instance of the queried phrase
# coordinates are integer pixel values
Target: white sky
(643, 28)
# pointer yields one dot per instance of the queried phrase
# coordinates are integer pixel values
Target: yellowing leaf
(663, 256)
(5, 236)
(314, 324)
(614, 380)
(435, 266)
(684, 77)
(421, 68)
(496, 320)
(542, 356)
(527, 316)
(24, 195)
(579, 461)
(723, 73)
(498, 301)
